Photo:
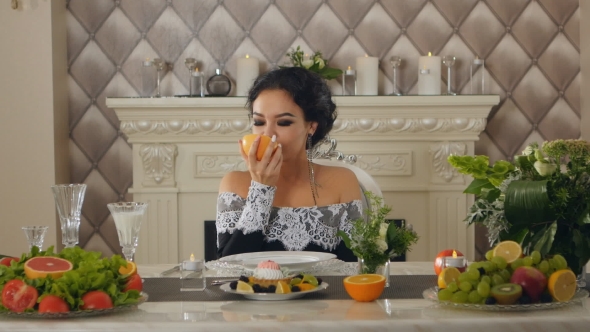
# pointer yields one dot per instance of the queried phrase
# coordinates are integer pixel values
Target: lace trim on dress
(295, 228)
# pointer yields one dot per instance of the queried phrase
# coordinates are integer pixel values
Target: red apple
(533, 281)
(438, 262)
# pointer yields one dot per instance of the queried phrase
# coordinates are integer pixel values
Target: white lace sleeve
(354, 211)
(249, 215)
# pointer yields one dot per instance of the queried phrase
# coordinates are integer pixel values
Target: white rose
(383, 230)
(528, 151)
(545, 168)
(382, 245)
(307, 63)
(321, 63)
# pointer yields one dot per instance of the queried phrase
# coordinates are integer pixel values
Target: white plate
(293, 260)
(273, 296)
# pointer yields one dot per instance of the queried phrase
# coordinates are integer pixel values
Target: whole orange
(438, 260)
(364, 287)
(265, 141)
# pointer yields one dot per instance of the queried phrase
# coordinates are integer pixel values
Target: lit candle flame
(429, 54)
(366, 55)
(196, 69)
(192, 258)
(147, 59)
(247, 56)
(454, 255)
(349, 68)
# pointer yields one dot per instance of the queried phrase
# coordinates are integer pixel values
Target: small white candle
(350, 71)
(248, 71)
(367, 75)
(454, 261)
(429, 75)
(191, 265)
(147, 62)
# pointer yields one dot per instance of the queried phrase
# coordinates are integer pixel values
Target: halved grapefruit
(41, 267)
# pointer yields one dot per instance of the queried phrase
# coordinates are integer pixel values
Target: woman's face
(275, 113)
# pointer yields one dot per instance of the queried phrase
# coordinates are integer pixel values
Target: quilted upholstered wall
(531, 48)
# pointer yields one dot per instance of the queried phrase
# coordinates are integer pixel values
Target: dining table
(210, 310)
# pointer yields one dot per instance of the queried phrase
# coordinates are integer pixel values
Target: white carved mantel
(183, 146)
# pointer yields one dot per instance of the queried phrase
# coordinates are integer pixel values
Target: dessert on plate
(269, 273)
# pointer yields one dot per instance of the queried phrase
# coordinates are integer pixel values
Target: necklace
(314, 186)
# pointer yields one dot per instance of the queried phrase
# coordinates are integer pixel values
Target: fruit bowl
(431, 295)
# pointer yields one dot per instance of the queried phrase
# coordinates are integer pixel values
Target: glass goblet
(128, 217)
(449, 61)
(190, 64)
(160, 66)
(69, 199)
(395, 62)
(35, 235)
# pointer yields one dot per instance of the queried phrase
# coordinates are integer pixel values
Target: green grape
(444, 295)
(465, 286)
(486, 279)
(497, 279)
(552, 264)
(483, 289)
(505, 274)
(544, 266)
(489, 266)
(517, 263)
(500, 262)
(474, 297)
(527, 261)
(536, 257)
(452, 287)
(473, 266)
(473, 274)
(560, 262)
(489, 255)
(463, 277)
(474, 283)
(460, 297)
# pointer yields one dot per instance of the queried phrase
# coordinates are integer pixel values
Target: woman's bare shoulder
(343, 180)
(236, 182)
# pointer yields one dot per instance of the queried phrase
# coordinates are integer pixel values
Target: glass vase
(382, 269)
(581, 278)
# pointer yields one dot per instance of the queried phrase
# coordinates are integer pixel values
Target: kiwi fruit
(506, 293)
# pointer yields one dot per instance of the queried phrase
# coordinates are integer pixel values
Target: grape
(444, 295)
(486, 279)
(465, 286)
(483, 289)
(505, 274)
(473, 266)
(517, 263)
(460, 297)
(536, 257)
(528, 261)
(463, 277)
(473, 274)
(452, 287)
(489, 266)
(489, 255)
(474, 297)
(497, 279)
(500, 262)
(560, 262)
(544, 266)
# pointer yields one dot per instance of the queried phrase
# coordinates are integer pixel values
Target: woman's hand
(267, 170)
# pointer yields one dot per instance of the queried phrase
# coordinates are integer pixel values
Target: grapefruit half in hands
(41, 267)
(265, 141)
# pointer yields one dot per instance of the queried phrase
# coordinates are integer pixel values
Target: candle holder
(460, 262)
(477, 76)
(449, 61)
(190, 64)
(160, 65)
(349, 78)
(192, 275)
(395, 62)
(199, 81)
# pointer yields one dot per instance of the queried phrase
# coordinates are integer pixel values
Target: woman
(284, 201)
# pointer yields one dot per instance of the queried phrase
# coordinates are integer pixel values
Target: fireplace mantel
(183, 146)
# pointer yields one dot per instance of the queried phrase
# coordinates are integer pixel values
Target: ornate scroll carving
(217, 166)
(158, 163)
(191, 127)
(398, 163)
(412, 125)
(440, 152)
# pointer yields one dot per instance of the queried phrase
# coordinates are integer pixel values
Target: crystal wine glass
(35, 235)
(69, 199)
(128, 217)
(395, 62)
(449, 61)
(190, 64)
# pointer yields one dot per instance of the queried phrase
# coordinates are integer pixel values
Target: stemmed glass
(395, 62)
(69, 199)
(190, 64)
(35, 235)
(128, 217)
(449, 61)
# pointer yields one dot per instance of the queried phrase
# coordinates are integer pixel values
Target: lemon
(448, 275)
(562, 285)
(509, 250)
(244, 287)
(283, 288)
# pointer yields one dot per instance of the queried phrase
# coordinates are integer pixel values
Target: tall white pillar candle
(248, 71)
(367, 74)
(429, 75)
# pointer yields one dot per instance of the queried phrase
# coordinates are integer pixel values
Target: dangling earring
(312, 183)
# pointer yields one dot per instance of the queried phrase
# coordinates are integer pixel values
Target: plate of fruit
(269, 283)
(508, 281)
(71, 283)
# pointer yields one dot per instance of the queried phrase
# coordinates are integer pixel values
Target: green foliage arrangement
(316, 63)
(375, 240)
(541, 200)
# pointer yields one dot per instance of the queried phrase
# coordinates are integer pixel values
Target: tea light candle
(455, 261)
(367, 75)
(191, 264)
(429, 75)
(350, 71)
(147, 62)
(248, 71)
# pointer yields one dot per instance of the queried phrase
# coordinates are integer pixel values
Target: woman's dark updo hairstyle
(309, 92)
